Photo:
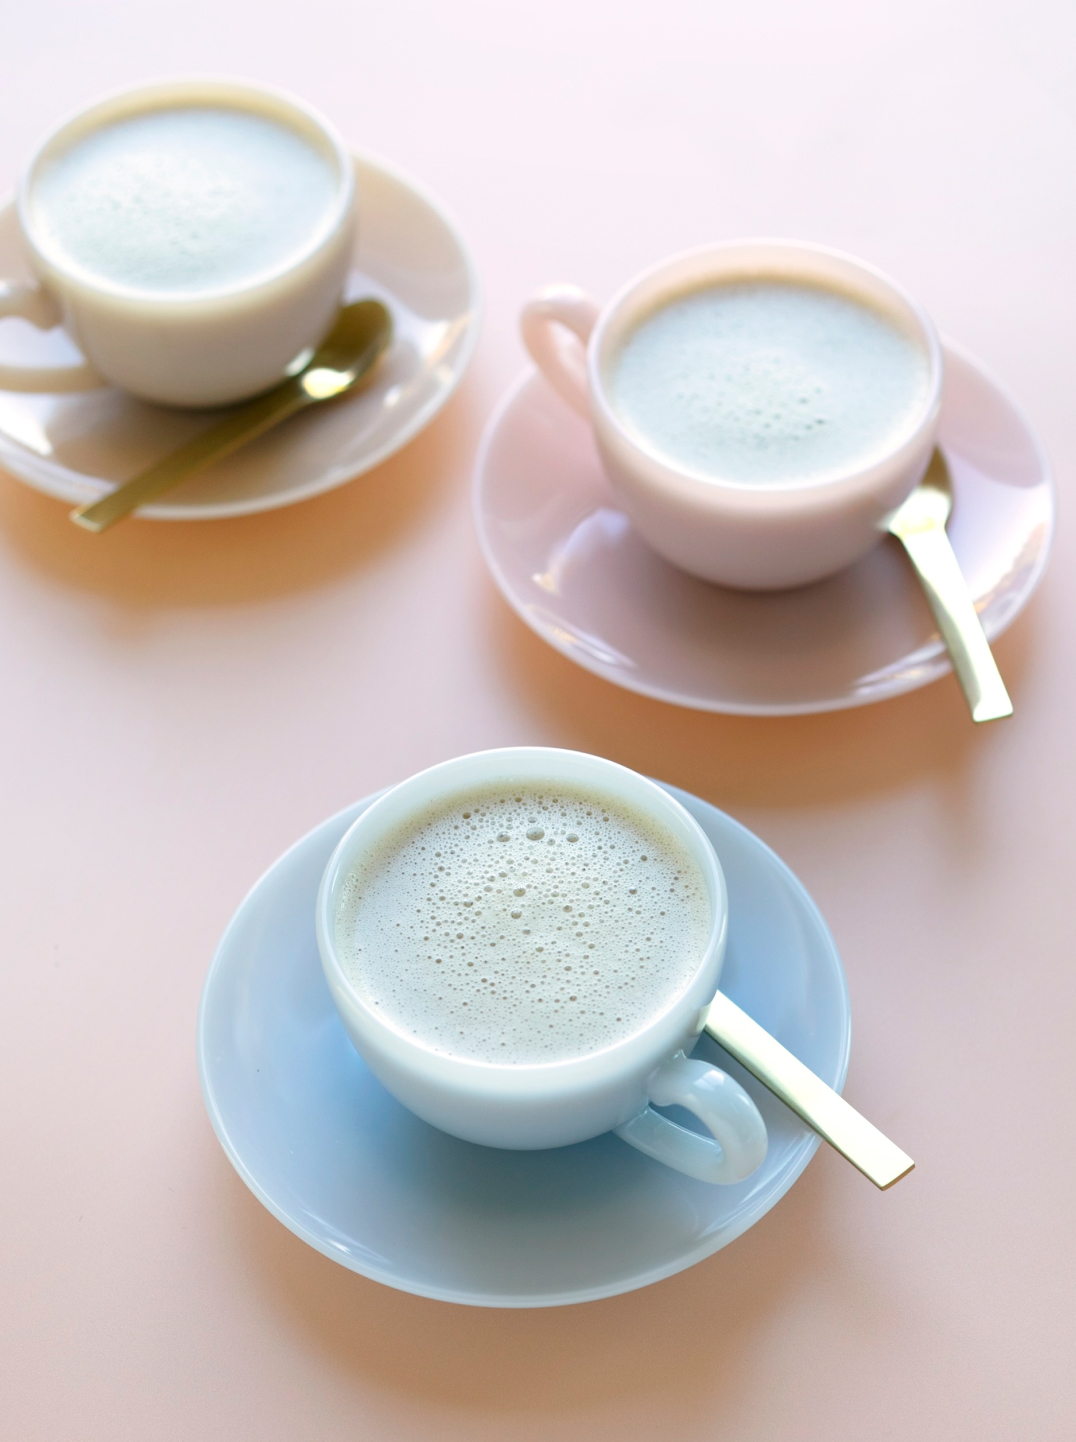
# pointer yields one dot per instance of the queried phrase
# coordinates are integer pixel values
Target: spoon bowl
(929, 505)
(919, 525)
(359, 337)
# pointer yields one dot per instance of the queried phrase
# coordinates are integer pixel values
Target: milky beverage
(769, 382)
(523, 924)
(186, 200)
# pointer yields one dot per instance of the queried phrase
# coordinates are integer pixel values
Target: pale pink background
(181, 702)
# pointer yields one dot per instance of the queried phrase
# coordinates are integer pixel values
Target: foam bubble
(482, 939)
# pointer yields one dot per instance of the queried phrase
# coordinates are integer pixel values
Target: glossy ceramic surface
(568, 561)
(735, 534)
(407, 253)
(554, 1103)
(349, 1170)
(204, 348)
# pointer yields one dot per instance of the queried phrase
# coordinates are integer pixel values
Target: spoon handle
(823, 1109)
(946, 590)
(228, 434)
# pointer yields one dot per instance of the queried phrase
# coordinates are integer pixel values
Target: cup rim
(661, 1033)
(209, 89)
(852, 482)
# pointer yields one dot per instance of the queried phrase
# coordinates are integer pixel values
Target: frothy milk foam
(768, 382)
(523, 924)
(187, 199)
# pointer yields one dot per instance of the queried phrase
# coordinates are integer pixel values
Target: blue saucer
(321, 1143)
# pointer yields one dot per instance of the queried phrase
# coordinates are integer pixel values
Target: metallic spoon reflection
(346, 356)
(824, 1110)
(919, 525)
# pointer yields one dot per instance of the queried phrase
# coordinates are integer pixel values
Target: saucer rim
(783, 1180)
(49, 476)
(935, 663)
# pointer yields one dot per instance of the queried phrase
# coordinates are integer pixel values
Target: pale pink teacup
(738, 535)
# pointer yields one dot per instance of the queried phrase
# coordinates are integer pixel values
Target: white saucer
(345, 1167)
(407, 253)
(567, 560)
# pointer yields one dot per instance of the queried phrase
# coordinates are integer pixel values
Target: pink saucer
(567, 560)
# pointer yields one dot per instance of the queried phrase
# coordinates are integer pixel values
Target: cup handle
(32, 303)
(738, 1132)
(562, 361)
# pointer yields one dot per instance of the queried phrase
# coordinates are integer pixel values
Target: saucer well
(345, 1167)
(567, 560)
(407, 253)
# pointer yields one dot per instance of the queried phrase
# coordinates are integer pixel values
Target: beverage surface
(526, 924)
(768, 383)
(185, 200)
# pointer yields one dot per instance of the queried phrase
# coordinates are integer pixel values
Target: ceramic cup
(556, 1103)
(746, 536)
(188, 349)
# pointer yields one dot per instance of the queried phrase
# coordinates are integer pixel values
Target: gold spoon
(824, 1110)
(346, 355)
(919, 525)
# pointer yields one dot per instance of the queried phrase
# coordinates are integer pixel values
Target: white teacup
(554, 1103)
(184, 346)
(755, 537)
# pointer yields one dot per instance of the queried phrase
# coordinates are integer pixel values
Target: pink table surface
(181, 702)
